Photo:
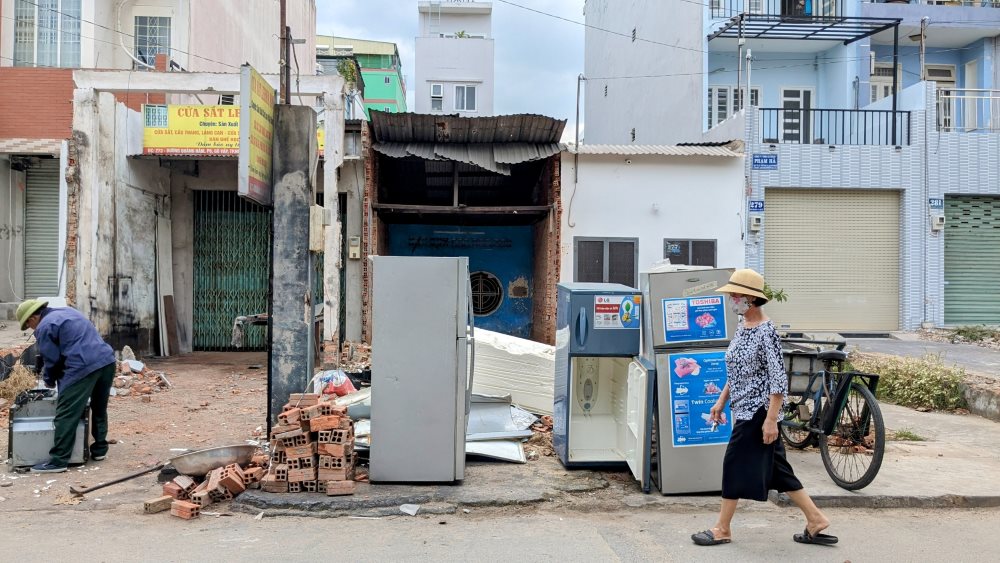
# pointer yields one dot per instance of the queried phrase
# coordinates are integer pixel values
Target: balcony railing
(968, 110)
(834, 126)
(966, 3)
(786, 8)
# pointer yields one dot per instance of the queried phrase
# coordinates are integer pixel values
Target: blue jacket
(70, 345)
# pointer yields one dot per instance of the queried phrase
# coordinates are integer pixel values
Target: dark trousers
(70, 406)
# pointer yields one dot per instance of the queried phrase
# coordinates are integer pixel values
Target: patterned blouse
(756, 369)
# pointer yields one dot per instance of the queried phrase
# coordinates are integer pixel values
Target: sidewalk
(982, 385)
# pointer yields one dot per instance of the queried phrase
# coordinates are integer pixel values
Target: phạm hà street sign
(257, 99)
(191, 130)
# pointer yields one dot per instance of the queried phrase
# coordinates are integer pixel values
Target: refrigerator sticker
(694, 319)
(617, 311)
(696, 381)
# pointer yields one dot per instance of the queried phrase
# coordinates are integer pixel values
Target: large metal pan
(192, 463)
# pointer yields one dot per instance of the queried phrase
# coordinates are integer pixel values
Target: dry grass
(21, 379)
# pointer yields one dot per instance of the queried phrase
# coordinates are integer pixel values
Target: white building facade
(627, 208)
(454, 58)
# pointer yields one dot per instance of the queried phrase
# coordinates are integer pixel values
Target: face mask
(740, 305)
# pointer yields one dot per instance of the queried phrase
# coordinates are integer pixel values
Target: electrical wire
(10, 244)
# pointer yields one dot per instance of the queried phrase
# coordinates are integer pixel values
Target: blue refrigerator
(687, 325)
(602, 399)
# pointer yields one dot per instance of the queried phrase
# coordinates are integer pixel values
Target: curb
(981, 402)
(887, 501)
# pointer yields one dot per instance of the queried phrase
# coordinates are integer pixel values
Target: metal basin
(202, 461)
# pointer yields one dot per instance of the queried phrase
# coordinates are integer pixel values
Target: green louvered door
(971, 260)
(231, 257)
(41, 230)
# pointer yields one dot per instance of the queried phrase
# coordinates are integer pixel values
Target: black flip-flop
(708, 538)
(817, 538)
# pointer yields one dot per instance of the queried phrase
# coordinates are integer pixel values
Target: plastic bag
(336, 382)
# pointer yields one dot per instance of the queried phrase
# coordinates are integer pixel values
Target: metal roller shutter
(836, 254)
(41, 230)
(971, 260)
(231, 268)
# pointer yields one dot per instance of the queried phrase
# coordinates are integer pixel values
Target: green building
(381, 69)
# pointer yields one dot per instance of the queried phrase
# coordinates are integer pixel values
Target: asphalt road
(762, 532)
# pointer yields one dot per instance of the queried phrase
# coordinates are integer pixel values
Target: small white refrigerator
(422, 362)
(687, 325)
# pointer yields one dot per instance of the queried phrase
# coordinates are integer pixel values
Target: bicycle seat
(832, 356)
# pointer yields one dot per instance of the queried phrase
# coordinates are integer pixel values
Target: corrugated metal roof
(426, 128)
(658, 150)
(495, 157)
(361, 46)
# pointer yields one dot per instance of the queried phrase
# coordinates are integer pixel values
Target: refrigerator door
(638, 428)
(689, 448)
(463, 400)
(685, 310)
(418, 402)
(600, 319)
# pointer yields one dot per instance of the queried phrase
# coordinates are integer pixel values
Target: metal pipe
(895, 77)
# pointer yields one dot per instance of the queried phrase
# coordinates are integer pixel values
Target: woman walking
(757, 385)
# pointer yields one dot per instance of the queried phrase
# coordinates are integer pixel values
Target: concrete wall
(352, 184)
(119, 199)
(653, 198)
(643, 104)
(454, 62)
(470, 17)
(11, 232)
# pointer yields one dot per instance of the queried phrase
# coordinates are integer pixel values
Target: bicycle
(834, 409)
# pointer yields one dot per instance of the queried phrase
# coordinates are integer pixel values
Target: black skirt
(751, 468)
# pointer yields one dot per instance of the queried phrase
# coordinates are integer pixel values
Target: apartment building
(871, 139)
(380, 66)
(454, 58)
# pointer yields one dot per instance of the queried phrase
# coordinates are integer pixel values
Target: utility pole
(923, 40)
(283, 68)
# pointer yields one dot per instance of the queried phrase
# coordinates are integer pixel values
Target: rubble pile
(135, 378)
(355, 357)
(185, 497)
(312, 449)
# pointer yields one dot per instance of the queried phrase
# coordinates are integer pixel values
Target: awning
(493, 157)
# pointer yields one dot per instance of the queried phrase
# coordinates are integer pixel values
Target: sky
(537, 57)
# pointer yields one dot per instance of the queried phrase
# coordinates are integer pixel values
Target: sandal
(817, 538)
(707, 537)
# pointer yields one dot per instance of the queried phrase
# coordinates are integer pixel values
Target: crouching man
(83, 365)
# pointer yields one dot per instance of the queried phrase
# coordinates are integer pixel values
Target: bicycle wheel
(852, 454)
(792, 428)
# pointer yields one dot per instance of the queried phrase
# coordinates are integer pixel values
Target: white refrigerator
(422, 356)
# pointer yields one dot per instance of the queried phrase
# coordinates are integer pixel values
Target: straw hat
(745, 282)
(28, 308)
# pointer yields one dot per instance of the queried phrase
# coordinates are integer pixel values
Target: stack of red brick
(185, 497)
(312, 448)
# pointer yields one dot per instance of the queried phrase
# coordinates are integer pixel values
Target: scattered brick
(253, 475)
(295, 487)
(258, 460)
(336, 436)
(332, 422)
(279, 457)
(341, 474)
(173, 490)
(339, 488)
(302, 462)
(271, 485)
(184, 509)
(309, 486)
(280, 472)
(289, 417)
(299, 475)
(201, 498)
(332, 462)
(279, 430)
(158, 504)
(336, 450)
(307, 450)
(296, 441)
(303, 399)
(186, 484)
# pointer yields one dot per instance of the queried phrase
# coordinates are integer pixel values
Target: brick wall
(36, 103)
(547, 258)
(369, 231)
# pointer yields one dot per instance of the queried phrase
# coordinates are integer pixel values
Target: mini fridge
(422, 365)
(601, 406)
(686, 330)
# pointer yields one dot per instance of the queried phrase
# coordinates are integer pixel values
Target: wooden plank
(165, 284)
(170, 315)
